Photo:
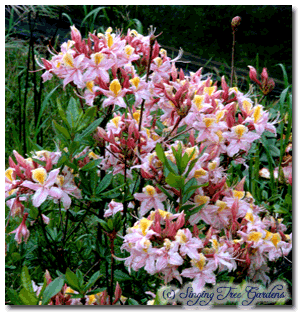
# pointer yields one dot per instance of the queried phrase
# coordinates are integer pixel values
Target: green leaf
(72, 280)
(170, 197)
(79, 275)
(28, 298)
(61, 112)
(45, 103)
(160, 152)
(91, 128)
(92, 280)
(73, 113)
(132, 302)
(93, 12)
(40, 162)
(13, 297)
(194, 211)
(121, 276)
(110, 194)
(60, 130)
(91, 165)
(25, 279)
(139, 26)
(105, 182)
(87, 118)
(175, 181)
(52, 289)
(96, 291)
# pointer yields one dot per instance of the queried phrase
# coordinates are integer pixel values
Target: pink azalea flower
(201, 273)
(74, 67)
(114, 207)
(168, 255)
(22, 231)
(188, 244)
(43, 185)
(259, 119)
(150, 199)
(66, 187)
(239, 138)
(114, 95)
(98, 66)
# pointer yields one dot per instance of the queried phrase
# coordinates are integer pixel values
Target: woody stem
(232, 58)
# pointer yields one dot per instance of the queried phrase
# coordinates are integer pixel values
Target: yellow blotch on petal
(181, 237)
(93, 155)
(198, 99)
(98, 57)
(115, 87)
(92, 299)
(60, 180)
(147, 243)
(222, 205)
(69, 290)
(39, 175)
(41, 153)
(240, 130)
(220, 135)
(257, 113)
(201, 199)
(144, 225)
(133, 32)
(129, 50)
(68, 60)
(108, 31)
(163, 52)
(268, 235)
(212, 165)
(110, 40)
(249, 217)
(215, 244)
(192, 151)
(276, 238)
(164, 214)
(210, 90)
(167, 244)
(135, 81)
(254, 236)
(158, 61)
(209, 121)
(90, 85)
(116, 120)
(238, 194)
(200, 173)
(247, 106)
(150, 190)
(199, 263)
(8, 174)
(220, 115)
(235, 89)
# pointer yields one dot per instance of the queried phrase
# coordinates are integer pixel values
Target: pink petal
(39, 197)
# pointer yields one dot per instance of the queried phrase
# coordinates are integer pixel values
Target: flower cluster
(207, 229)
(164, 242)
(36, 179)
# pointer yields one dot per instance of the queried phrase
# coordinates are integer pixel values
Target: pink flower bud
(22, 231)
(236, 21)
(253, 75)
(118, 292)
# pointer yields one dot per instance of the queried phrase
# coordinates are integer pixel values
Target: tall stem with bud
(234, 24)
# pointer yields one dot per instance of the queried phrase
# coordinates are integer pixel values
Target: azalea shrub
(141, 188)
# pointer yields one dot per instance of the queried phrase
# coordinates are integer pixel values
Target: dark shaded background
(264, 37)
